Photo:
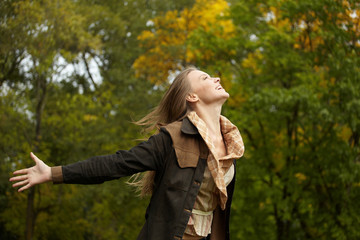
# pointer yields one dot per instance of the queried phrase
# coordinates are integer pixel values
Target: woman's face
(207, 89)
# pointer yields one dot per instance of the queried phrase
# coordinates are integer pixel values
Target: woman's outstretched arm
(28, 177)
(146, 156)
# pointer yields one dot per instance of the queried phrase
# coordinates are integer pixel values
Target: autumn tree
(293, 76)
(291, 68)
(296, 103)
(43, 34)
(177, 39)
(53, 103)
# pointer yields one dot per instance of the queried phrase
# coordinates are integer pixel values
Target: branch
(88, 71)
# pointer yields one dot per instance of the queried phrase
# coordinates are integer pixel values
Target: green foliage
(70, 118)
(291, 68)
(299, 176)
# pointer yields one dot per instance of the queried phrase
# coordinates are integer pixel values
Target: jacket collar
(188, 127)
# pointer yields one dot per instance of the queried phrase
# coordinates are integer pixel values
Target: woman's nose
(217, 79)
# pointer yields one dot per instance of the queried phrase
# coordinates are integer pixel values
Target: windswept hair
(172, 107)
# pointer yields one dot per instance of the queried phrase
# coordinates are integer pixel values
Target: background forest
(75, 74)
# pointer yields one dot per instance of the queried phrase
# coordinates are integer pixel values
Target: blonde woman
(189, 163)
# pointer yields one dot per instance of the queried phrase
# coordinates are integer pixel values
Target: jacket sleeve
(148, 155)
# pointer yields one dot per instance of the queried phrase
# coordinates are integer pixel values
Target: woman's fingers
(21, 171)
(18, 178)
(34, 157)
(24, 187)
(26, 181)
(22, 179)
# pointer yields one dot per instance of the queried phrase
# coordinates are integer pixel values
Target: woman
(191, 157)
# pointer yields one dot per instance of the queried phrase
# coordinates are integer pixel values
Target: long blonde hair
(172, 107)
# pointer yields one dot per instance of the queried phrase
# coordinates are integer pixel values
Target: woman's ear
(192, 97)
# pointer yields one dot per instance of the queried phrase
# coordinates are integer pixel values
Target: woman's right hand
(28, 177)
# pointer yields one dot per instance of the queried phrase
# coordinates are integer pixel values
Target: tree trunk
(41, 86)
(30, 214)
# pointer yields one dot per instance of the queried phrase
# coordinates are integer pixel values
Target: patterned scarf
(234, 146)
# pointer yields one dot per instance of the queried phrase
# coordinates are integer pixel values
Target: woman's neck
(211, 117)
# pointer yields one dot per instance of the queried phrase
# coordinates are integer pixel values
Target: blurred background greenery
(75, 74)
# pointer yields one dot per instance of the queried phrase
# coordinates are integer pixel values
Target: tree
(79, 116)
(177, 39)
(293, 75)
(41, 34)
(291, 68)
(299, 71)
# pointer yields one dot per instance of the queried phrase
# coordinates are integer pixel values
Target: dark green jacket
(178, 155)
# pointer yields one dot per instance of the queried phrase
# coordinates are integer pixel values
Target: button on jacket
(178, 154)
